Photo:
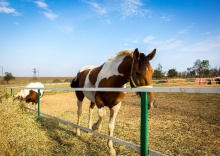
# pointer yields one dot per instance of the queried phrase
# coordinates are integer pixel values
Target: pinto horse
(127, 66)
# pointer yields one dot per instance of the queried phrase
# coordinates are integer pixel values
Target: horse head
(141, 71)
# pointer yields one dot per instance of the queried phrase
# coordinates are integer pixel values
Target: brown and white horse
(127, 66)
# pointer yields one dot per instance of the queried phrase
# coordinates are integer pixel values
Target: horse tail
(75, 83)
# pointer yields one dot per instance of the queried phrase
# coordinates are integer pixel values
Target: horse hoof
(94, 127)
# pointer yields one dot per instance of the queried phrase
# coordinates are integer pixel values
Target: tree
(201, 68)
(191, 72)
(172, 73)
(219, 71)
(8, 77)
(158, 72)
(182, 74)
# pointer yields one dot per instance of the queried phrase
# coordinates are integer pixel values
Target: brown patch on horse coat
(32, 97)
(125, 64)
(108, 98)
(94, 74)
(116, 81)
(82, 77)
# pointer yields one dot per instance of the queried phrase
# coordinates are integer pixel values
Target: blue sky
(57, 37)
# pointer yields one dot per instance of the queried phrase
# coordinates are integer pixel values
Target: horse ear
(151, 55)
(136, 54)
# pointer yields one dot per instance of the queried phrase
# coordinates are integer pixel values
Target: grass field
(182, 124)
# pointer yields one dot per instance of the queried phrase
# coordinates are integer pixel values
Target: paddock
(62, 108)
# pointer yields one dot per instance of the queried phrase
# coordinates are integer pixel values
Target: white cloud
(167, 17)
(169, 44)
(96, 6)
(132, 7)
(186, 30)
(178, 45)
(172, 44)
(99, 9)
(135, 41)
(148, 39)
(50, 15)
(42, 4)
(5, 8)
(205, 45)
(206, 33)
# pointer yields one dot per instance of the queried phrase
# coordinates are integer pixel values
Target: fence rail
(128, 144)
(140, 89)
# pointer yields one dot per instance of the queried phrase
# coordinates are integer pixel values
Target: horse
(127, 66)
(30, 95)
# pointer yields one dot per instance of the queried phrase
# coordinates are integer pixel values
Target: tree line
(201, 68)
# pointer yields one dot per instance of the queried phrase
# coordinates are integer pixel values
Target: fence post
(12, 91)
(144, 124)
(38, 108)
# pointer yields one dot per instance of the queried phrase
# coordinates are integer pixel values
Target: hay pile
(68, 80)
(57, 81)
(20, 133)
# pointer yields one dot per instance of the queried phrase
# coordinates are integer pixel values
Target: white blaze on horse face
(109, 69)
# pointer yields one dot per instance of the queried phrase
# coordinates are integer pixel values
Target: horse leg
(98, 125)
(151, 101)
(36, 105)
(91, 110)
(80, 97)
(113, 113)
(79, 113)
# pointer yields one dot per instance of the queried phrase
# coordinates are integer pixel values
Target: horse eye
(138, 73)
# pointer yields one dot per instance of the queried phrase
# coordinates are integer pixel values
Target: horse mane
(123, 52)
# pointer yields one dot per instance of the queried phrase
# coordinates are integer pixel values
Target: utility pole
(35, 74)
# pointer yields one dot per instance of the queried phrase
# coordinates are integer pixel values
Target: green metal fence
(144, 110)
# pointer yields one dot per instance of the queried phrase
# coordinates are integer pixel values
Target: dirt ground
(182, 123)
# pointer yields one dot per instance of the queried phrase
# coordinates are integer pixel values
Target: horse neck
(115, 73)
(125, 69)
